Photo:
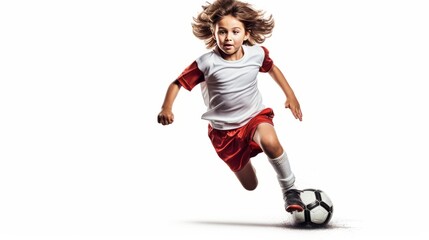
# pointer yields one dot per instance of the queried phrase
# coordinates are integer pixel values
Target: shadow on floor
(285, 225)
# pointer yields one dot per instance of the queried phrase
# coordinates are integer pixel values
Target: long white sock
(285, 175)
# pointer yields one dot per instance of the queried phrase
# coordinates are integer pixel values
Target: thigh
(265, 136)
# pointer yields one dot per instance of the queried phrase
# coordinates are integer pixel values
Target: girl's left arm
(291, 100)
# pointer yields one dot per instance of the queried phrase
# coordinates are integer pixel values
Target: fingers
(298, 114)
(296, 111)
(165, 119)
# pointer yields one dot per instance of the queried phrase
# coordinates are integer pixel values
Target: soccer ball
(318, 208)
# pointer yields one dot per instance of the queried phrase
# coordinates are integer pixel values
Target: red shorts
(236, 146)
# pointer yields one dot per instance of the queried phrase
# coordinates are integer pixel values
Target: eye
(221, 32)
(236, 32)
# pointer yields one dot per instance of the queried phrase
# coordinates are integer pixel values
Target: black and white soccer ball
(318, 208)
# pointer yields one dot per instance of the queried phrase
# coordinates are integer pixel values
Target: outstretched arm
(291, 101)
(166, 116)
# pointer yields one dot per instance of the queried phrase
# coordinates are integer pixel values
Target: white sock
(284, 173)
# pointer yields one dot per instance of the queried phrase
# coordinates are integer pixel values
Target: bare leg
(266, 137)
(247, 177)
(269, 144)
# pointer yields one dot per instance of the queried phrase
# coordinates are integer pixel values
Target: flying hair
(254, 21)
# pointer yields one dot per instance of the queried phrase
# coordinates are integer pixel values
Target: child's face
(230, 34)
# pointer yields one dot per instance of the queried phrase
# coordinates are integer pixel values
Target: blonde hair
(253, 20)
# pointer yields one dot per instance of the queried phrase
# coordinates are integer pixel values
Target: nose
(228, 37)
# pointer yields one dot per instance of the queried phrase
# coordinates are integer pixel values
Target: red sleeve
(268, 62)
(191, 76)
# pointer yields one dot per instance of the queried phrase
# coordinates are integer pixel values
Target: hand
(293, 105)
(166, 117)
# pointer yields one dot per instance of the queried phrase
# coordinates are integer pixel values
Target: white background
(82, 156)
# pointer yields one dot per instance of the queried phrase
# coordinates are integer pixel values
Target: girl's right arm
(166, 116)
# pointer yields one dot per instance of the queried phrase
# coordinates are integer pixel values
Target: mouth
(228, 46)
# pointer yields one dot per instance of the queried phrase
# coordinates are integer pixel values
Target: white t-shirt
(229, 88)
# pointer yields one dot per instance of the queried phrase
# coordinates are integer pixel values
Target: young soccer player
(240, 126)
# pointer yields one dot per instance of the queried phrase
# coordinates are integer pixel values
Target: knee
(271, 146)
(247, 177)
(250, 186)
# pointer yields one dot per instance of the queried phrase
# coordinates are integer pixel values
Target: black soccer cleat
(293, 201)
